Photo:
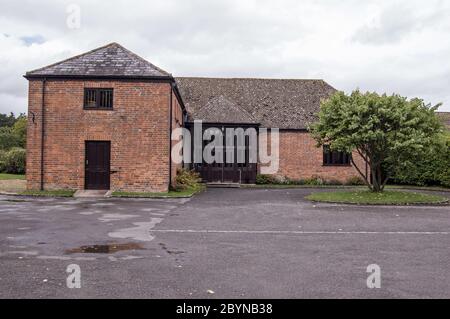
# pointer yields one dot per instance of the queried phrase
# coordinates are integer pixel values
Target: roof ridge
(245, 78)
(75, 57)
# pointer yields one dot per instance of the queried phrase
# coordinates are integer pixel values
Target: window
(98, 98)
(335, 158)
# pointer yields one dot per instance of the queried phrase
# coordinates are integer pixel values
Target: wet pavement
(238, 243)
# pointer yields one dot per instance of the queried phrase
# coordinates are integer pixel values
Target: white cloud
(394, 46)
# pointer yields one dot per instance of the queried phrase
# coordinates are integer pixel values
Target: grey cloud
(398, 21)
(231, 38)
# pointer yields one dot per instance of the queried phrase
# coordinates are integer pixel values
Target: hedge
(13, 161)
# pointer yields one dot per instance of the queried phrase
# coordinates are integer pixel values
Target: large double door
(230, 171)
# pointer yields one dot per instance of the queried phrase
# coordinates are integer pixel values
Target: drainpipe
(170, 135)
(42, 132)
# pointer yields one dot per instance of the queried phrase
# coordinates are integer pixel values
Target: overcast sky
(384, 46)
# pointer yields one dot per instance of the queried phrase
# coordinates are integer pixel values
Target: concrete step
(223, 185)
(81, 193)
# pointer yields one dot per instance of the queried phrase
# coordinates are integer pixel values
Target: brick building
(104, 120)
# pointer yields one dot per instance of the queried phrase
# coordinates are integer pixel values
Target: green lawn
(287, 186)
(371, 198)
(171, 194)
(4, 176)
(57, 193)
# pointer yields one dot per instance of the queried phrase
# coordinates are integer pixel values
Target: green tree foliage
(19, 130)
(7, 120)
(8, 139)
(13, 133)
(388, 132)
(431, 169)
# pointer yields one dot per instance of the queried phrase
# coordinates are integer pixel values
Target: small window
(335, 158)
(98, 98)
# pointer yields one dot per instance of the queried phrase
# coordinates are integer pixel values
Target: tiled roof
(221, 110)
(109, 60)
(286, 104)
(445, 118)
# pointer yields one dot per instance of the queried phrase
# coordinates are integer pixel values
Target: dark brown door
(229, 172)
(98, 156)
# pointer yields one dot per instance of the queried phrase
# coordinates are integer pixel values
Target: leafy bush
(13, 161)
(354, 181)
(433, 168)
(283, 180)
(332, 182)
(265, 179)
(186, 179)
(314, 181)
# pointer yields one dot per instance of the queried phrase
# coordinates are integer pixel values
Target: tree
(7, 120)
(8, 139)
(19, 129)
(386, 131)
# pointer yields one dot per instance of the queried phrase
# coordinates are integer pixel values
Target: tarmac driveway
(224, 243)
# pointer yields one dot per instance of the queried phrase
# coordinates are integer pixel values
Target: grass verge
(56, 193)
(282, 186)
(362, 187)
(171, 194)
(365, 197)
(5, 176)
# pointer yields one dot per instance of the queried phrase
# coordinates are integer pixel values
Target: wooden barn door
(97, 169)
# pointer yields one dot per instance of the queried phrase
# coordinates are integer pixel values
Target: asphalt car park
(222, 243)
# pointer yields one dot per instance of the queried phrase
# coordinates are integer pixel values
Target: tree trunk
(376, 178)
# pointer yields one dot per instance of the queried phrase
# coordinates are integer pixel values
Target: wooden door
(97, 166)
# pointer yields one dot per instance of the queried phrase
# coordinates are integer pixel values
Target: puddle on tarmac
(104, 249)
(14, 200)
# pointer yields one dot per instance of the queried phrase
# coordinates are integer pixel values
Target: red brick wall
(34, 135)
(301, 159)
(137, 128)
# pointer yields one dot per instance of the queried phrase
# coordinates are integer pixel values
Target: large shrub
(265, 179)
(431, 169)
(386, 131)
(13, 161)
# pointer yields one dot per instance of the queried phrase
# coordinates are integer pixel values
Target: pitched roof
(109, 60)
(445, 118)
(276, 103)
(221, 110)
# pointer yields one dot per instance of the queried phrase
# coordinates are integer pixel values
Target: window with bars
(335, 158)
(98, 98)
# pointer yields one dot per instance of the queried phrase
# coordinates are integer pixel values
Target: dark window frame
(335, 158)
(98, 99)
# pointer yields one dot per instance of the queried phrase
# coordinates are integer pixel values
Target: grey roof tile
(445, 118)
(276, 103)
(221, 110)
(109, 60)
